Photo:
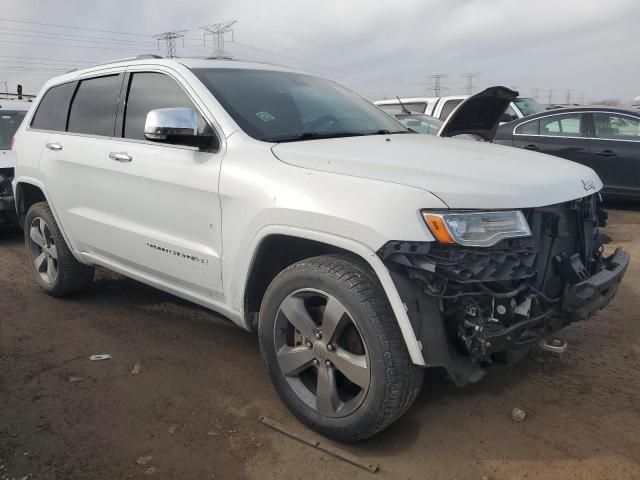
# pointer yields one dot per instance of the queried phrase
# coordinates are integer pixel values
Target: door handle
(54, 146)
(531, 146)
(607, 153)
(120, 156)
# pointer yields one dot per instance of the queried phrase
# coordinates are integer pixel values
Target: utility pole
(437, 83)
(218, 32)
(550, 97)
(169, 39)
(582, 95)
(470, 76)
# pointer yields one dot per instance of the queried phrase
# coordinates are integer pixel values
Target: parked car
(606, 139)
(476, 118)
(442, 107)
(11, 114)
(358, 251)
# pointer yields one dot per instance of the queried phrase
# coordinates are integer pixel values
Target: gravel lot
(192, 410)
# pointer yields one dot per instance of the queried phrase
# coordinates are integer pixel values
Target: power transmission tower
(170, 41)
(568, 98)
(470, 76)
(437, 83)
(535, 92)
(218, 32)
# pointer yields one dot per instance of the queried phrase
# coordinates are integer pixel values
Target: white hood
(7, 159)
(463, 174)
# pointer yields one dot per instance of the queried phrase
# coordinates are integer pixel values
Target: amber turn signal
(438, 228)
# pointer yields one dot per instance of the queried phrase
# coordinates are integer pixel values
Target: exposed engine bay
(491, 304)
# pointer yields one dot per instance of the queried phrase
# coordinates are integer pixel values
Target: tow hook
(553, 344)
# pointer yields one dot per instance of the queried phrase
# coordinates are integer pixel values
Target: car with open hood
(359, 252)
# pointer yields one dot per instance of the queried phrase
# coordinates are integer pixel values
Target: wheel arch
(294, 244)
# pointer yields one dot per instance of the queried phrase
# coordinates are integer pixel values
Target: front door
(165, 217)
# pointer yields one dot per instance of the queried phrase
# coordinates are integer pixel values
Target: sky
(553, 49)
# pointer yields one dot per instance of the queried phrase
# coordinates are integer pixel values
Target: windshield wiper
(389, 132)
(313, 136)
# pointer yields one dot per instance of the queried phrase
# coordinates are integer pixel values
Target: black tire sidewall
(355, 425)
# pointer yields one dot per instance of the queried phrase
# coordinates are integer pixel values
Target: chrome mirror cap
(163, 123)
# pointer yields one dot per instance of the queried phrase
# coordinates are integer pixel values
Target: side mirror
(177, 126)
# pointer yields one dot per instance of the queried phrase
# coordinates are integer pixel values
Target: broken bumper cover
(596, 292)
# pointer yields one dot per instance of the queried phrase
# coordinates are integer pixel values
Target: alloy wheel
(321, 353)
(43, 250)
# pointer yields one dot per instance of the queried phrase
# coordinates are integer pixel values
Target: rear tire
(345, 341)
(56, 270)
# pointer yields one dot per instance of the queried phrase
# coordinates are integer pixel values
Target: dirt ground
(192, 410)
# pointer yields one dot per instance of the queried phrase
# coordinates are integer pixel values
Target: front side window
(150, 91)
(277, 106)
(528, 128)
(616, 127)
(448, 107)
(9, 122)
(93, 109)
(568, 125)
(52, 110)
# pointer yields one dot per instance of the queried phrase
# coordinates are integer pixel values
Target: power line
(48, 59)
(115, 47)
(170, 40)
(30, 33)
(218, 31)
(73, 27)
(76, 39)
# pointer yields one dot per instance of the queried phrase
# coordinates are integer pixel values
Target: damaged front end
(7, 201)
(474, 305)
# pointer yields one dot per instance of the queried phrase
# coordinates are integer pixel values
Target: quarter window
(528, 128)
(93, 110)
(52, 111)
(616, 127)
(448, 107)
(568, 125)
(149, 91)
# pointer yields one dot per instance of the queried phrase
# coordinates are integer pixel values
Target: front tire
(333, 349)
(56, 270)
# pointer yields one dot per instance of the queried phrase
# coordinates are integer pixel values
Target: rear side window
(52, 111)
(93, 110)
(149, 91)
(568, 125)
(529, 128)
(448, 107)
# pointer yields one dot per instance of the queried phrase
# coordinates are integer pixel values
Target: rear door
(164, 216)
(615, 151)
(74, 160)
(562, 135)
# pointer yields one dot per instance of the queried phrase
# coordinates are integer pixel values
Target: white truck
(361, 253)
(442, 107)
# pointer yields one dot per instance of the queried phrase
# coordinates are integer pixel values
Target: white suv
(359, 251)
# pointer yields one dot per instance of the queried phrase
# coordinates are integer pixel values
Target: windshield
(528, 106)
(421, 123)
(9, 123)
(277, 106)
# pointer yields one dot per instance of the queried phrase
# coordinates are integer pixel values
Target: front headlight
(477, 229)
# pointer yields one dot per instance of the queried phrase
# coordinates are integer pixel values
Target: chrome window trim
(143, 69)
(513, 133)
